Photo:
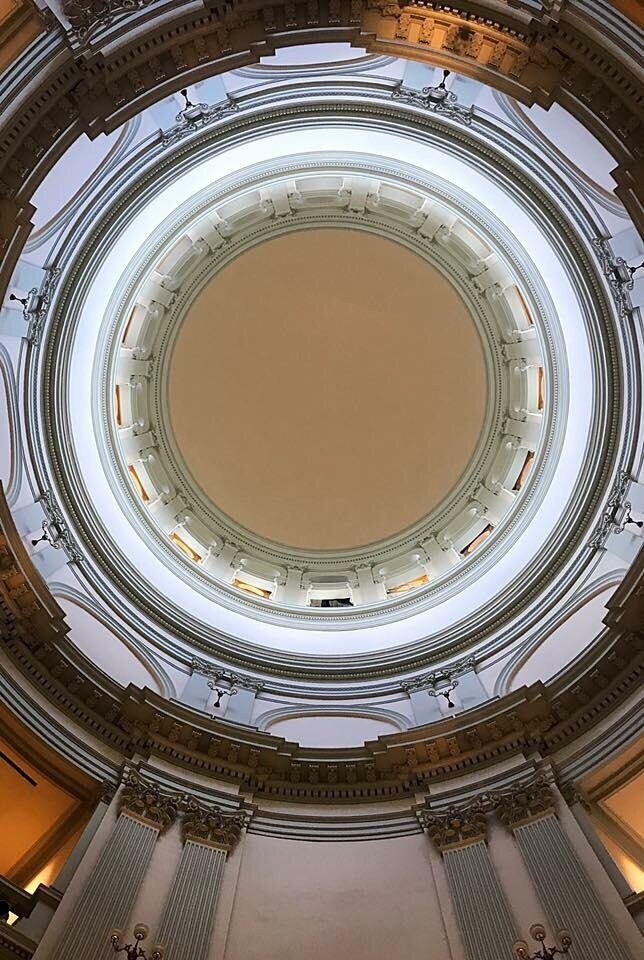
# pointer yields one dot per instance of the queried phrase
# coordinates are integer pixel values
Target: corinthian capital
(211, 826)
(525, 803)
(457, 827)
(145, 801)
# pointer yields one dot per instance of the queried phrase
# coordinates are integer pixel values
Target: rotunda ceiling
(327, 389)
(420, 381)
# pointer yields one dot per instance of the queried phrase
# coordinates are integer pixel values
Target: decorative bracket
(437, 100)
(616, 513)
(446, 676)
(217, 674)
(194, 116)
(619, 274)
(55, 529)
(36, 304)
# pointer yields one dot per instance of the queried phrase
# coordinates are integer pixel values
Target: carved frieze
(83, 15)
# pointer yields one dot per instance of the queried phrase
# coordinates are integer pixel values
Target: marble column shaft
(189, 916)
(483, 915)
(566, 891)
(109, 893)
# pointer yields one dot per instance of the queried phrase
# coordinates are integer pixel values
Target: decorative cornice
(458, 826)
(616, 271)
(573, 795)
(211, 826)
(86, 16)
(132, 721)
(525, 803)
(145, 801)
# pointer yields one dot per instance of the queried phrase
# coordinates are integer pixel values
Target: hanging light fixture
(439, 93)
(538, 933)
(221, 692)
(134, 951)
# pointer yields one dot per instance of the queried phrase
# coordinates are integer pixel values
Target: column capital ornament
(211, 826)
(572, 794)
(145, 801)
(525, 803)
(457, 827)
(106, 792)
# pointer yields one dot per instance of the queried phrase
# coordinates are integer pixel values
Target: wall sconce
(221, 692)
(445, 693)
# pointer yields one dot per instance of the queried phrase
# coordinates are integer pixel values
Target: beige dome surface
(327, 389)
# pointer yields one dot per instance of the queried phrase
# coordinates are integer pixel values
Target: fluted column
(111, 888)
(189, 916)
(562, 884)
(482, 912)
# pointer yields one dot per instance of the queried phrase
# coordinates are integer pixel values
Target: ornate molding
(442, 676)
(458, 826)
(617, 273)
(611, 520)
(195, 117)
(525, 803)
(131, 721)
(85, 15)
(145, 801)
(572, 795)
(447, 107)
(55, 526)
(216, 673)
(211, 826)
(36, 305)
(106, 792)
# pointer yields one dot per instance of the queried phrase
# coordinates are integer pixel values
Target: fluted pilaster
(108, 897)
(189, 916)
(482, 912)
(110, 892)
(562, 884)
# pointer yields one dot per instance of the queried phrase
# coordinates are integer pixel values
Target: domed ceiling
(320, 388)
(327, 389)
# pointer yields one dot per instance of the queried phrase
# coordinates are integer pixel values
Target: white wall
(336, 901)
